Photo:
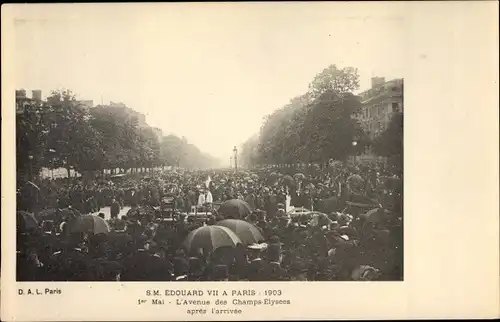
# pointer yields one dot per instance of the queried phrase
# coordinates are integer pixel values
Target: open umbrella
(26, 222)
(47, 214)
(310, 186)
(299, 176)
(255, 176)
(235, 208)
(248, 233)
(89, 224)
(355, 183)
(375, 215)
(209, 238)
(69, 212)
(33, 185)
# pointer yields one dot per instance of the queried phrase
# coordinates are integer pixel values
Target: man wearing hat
(196, 269)
(252, 218)
(115, 208)
(251, 199)
(201, 197)
(135, 265)
(257, 266)
(298, 271)
(273, 255)
(220, 273)
(159, 268)
(72, 263)
(181, 264)
(270, 204)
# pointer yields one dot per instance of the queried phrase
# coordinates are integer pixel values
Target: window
(395, 107)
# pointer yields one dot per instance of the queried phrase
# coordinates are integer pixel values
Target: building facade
(141, 118)
(21, 100)
(380, 103)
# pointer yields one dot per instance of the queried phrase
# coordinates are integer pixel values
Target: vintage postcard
(245, 161)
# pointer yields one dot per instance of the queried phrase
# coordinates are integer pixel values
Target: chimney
(378, 81)
(36, 95)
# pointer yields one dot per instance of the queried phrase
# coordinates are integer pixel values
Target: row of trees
(319, 125)
(60, 132)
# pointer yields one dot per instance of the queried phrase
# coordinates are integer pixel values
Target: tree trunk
(68, 168)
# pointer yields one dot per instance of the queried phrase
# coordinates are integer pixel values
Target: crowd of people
(341, 222)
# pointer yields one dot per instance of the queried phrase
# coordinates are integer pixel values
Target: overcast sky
(208, 72)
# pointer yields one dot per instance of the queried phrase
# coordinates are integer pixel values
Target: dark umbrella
(69, 212)
(375, 215)
(89, 224)
(209, 238)
(26, 222)
(48, 214)
(299, 176)
(235, 208)
(248, 233)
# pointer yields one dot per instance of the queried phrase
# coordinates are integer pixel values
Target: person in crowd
(148, 244)
(115, 208)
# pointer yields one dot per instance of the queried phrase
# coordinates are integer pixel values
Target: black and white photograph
(150, 150)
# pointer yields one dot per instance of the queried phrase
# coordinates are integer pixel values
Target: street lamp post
(31, 168)
(354, 144)
(235, 159)
(231, 162)
(33, 196)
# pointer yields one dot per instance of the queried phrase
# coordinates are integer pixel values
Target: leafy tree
(31, 137)
(63, 133)
(177, 151)
(171, 149)
(330, 128)
(120, 135)
(343, 80)
(249, 152)
(390, 142)
(72, 141)
(318, 125)
(149, 148)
